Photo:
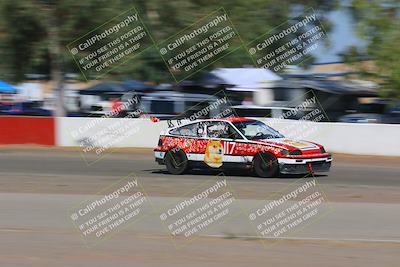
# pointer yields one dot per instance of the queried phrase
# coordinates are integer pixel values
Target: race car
(238, 142)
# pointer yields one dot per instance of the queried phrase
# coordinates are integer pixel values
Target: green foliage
(27, 25)
(20, 31)
(379, 24)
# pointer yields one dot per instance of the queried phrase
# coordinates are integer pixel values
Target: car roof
(232, 119)
(261, 107)
(171, 94)
(228, 119)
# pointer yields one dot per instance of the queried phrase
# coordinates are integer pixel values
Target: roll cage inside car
(219, 129)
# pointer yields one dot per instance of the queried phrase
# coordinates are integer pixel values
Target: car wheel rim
(266, 164)
(176, 161)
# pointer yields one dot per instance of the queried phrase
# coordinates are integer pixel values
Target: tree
(34, 33)
(378, 23)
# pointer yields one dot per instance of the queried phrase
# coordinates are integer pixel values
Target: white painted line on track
(314, 239)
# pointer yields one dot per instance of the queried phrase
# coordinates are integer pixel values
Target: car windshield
(253, 130)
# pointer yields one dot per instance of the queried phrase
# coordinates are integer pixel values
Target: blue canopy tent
(6, 88)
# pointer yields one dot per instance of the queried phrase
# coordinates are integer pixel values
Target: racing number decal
(215, 150)
(229, 147)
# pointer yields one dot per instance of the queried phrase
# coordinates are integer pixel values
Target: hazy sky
(342, 35)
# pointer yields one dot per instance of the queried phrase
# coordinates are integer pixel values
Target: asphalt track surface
(38, 188)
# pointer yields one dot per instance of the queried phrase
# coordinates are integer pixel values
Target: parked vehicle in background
(6, 102)
(178, 105)
(29, 108)
(107, 104)
(264, 111)
(376, 112)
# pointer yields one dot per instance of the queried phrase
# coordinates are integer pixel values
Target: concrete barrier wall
(27, 130)
(360, 139)
(116, 132)
(349, 138)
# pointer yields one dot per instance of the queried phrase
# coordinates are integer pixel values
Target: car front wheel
(176, 161)
(266, 165)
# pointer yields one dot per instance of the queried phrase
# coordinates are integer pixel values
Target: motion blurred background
(54, 156)
(355, 72)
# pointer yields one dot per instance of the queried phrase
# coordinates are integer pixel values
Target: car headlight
(291, 152)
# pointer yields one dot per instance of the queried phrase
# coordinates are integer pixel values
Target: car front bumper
(303, 166)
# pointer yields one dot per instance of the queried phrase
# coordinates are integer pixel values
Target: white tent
(246, 79)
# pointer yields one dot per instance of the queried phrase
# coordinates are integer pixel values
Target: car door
(221, 143)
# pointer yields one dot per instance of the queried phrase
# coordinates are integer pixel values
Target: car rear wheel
(266, 165)
(176, 161)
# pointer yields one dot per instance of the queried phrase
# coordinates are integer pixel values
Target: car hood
(290, 143)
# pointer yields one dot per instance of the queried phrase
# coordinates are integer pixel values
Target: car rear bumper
(159, 157)
(302, 166)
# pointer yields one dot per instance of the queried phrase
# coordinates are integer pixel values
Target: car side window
(219, 129)
(233, 133)
(191, 130)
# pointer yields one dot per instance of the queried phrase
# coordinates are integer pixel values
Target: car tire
(265, 165)
(176, 162)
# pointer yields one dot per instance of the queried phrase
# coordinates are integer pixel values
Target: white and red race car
(238, 143)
